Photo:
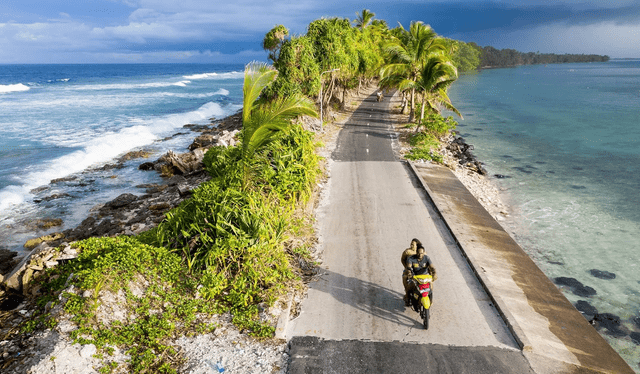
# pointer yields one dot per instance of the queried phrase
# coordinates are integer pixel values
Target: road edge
(501, 307)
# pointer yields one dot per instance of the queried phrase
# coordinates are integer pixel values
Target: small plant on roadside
(438, 125)
(425, 143)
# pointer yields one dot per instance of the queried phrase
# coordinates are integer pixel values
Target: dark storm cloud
(479, 16)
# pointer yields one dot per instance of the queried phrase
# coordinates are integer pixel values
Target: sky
(215, 31)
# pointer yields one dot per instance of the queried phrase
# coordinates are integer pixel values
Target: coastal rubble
(232, 350)
(128, 214)
(470, 171)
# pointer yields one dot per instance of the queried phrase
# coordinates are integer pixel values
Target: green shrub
(423, 145)
(437, 125)
(234, 238)
(298, 70)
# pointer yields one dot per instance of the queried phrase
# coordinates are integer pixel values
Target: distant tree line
(470, 56)
(339, 54)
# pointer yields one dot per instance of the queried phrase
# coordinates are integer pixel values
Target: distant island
(470, 56)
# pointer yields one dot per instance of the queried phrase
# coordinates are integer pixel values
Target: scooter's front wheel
(425, 318)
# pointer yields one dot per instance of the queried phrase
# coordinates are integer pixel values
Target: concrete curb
(510, 321)
(283, 321)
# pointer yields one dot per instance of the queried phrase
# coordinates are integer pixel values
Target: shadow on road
(371, 298)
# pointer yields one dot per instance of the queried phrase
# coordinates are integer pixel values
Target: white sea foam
(129, 86)
(102, 148)
(6, 88)
(230, 75)
(220, 92)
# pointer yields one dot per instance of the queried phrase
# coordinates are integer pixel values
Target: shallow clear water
(66, 120)
(566, 139)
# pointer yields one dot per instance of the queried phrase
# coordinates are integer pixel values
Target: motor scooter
(421, 296)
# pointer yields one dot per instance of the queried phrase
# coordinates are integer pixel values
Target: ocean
(70, 121)
(562, 143)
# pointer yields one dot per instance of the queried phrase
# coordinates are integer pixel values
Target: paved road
(312, 355)
(375, 208)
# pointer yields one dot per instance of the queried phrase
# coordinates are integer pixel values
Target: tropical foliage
(262, 121)
(470, 56)
(419, 61)
(363, 19)
(492, 57)
(329, 44)
(273, 41)
(425, 143)
(465, 56)
(435, 78)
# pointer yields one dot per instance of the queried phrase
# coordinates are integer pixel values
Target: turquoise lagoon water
(59, 121)
(566, 141)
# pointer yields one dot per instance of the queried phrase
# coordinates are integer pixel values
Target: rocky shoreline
(127, 214)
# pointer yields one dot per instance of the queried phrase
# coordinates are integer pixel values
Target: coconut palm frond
(257, 75)
(271, 118)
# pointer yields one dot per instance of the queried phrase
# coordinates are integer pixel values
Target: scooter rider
(417, 264)
(407, 274)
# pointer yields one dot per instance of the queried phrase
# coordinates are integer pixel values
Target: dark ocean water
(567, 139)
(58, 121)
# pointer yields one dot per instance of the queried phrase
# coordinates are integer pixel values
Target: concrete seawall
(553, 335)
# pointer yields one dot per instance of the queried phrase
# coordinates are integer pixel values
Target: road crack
(407, 334)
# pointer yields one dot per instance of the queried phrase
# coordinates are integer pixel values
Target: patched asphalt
(313, 355)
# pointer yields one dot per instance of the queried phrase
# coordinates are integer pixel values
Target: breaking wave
(7, 88)
(104, 147)
(230, 75)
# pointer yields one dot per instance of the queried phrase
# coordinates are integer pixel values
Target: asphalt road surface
(354, 319)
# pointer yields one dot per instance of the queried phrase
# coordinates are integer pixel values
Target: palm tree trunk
(421, 113)
(412, 114)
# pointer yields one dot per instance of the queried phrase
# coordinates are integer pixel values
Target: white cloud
(606, 38)
(158, 23)
(150, 21)
(141, 32)
(168, 56)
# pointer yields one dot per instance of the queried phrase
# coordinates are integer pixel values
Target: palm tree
(263, 121)
(363, 19)
(274, 40)
(435, 78)
(409, 52)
